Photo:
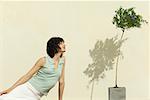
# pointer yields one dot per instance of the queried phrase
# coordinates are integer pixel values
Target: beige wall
(26, 27)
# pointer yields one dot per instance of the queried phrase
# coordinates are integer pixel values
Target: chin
(63, 50)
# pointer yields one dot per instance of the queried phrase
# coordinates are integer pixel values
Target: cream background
(25, 28)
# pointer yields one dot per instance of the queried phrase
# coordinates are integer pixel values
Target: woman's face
(62, 46)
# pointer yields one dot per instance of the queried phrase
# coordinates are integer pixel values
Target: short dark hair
(52, 46)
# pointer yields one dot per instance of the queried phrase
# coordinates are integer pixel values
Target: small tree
(105, 54)
(126, 19)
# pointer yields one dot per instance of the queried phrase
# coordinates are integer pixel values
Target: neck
(57, 56)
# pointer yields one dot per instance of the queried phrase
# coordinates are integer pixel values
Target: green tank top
(47, 76)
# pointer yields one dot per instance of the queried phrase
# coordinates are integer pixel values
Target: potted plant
(124, 19)
(106, 53)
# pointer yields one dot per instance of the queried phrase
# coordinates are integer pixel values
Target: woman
(49, 70)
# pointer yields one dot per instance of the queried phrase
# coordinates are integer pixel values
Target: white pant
(22, 92)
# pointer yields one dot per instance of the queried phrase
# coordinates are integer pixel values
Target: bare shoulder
(41, 61)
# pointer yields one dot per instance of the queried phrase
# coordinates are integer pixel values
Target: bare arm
(62, 82)
(40, 62)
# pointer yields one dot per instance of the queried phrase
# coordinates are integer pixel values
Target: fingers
(3, 93)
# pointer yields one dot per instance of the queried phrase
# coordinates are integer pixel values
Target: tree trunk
(116, 79)
(92, 89)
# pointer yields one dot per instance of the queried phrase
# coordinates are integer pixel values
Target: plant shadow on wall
(103, 56)
(107, 53)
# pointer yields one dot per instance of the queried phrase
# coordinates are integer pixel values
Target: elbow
(62, 82)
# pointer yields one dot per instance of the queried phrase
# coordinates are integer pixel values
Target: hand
(5, 92)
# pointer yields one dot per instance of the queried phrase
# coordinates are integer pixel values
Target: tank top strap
(47, 62)
(61, 60)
